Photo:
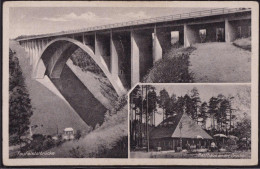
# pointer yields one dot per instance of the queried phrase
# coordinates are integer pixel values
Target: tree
(188, 108)
(195, 97)
(180, 105)
(222, 115)
(78, 134)
(213, 109)
(203, 113)
(20, 109)
(152, 104)
(171, 107)
(243, 128)
(163, 100)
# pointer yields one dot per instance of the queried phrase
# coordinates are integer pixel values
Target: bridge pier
(102, 48)
(141, 54)
(89, 40)
(161, 41)
(237, 29)
(121, 57)
(191, 35)
(157, 48)
(33, 52)
(229, 31)
(36, 52)
(30, 53)
(114, 57)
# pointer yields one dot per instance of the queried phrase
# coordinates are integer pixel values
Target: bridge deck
(197, 14)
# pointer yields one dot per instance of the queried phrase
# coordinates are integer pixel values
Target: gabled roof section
(189, 129)
(163, 130)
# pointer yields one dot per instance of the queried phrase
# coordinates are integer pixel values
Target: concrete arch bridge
(125, 51)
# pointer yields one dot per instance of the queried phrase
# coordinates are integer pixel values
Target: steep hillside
(50, 111)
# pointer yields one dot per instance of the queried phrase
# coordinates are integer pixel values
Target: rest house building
(177, 132)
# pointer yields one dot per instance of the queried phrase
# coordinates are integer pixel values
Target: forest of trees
(20, 109)
(218, 110)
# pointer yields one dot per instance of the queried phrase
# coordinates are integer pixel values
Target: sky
(41, 20)
(205, 92)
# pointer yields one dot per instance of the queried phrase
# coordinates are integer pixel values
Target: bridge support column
(157, 49)
(191, 35)
(34, 51)
(160, 42)
(141, 54)
(30, 52)
(26, 46)
(114, 58)
(89, 40)
(102, 48)
(37, 47)
(230, 32)
(135, 72)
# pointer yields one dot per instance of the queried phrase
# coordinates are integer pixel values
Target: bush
(244, 43)
(85, 62)
(170, 70)
(78, 152)
(39, 143)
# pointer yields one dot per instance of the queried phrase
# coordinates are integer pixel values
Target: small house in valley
(68, 134)
(179, 132)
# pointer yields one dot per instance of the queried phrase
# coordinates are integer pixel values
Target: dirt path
(220, 62)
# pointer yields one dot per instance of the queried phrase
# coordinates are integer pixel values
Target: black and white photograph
(119, 83)
(190, 121)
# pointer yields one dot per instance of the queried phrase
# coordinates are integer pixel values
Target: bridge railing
(209, 12)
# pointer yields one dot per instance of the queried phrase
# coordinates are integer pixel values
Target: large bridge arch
(54, 55)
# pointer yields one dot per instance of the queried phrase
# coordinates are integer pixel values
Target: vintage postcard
(130, 83)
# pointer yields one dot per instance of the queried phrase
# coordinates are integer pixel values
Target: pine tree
(152, 104)
(195, 97)
(189, 106)
(213, 109)
(163, 100)
(20, 109)
(171, 107)
(203, 114)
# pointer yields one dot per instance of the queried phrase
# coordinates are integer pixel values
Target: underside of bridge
(52, 63)
(80, 97)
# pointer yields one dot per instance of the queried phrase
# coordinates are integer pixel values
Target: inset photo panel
(206, 121)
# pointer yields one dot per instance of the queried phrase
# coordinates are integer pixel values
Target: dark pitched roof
(163, 130)
(190, 129)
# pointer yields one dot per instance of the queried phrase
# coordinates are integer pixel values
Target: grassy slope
(103, 138)
(210, 62)
(49, 110)
(220, 62)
